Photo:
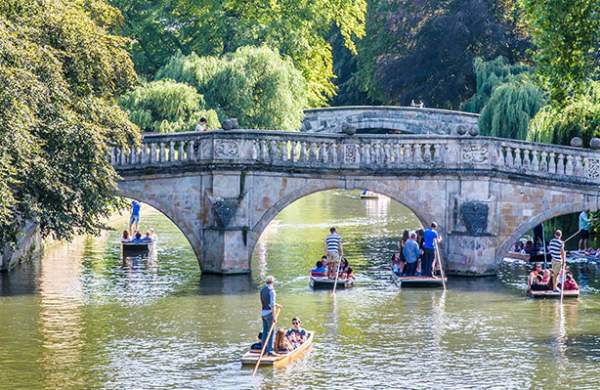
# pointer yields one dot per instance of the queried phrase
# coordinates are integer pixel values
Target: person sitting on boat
(411, 253)
(282, 344)
(258, 344)
(125, 236)
(348, 275)
(137, 238)
(319, 269)
(570, 283)
(537, 283)
(324, 261)
(396, 264)
(344, 266)
(296, 335)
(518, 247)
(529, 249)
(535, 272)
(148, 237)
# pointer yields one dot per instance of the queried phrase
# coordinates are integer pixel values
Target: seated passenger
(258, 344)
(537, 284)
(570, 283)
(537, 270)
(125, 237)
(282, 345)
(324, 261)
(529, 249)
(319, 269)
(148, 237)
(138, 238)
(296, 335)
(396, 264)
(349, 275)
(344, 265)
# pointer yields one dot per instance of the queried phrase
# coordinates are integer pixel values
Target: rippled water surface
(81, 319)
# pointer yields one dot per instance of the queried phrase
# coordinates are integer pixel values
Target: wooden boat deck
(130, 249)
(547, 294)
(317, 282)
(251, 357)
(418, 281)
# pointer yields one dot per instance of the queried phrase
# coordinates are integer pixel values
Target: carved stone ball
(461, 130)
(595, 143)
(348, 129)
(474, 131)
(576, 142)
(230, 124)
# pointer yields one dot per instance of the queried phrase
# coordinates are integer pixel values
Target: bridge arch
(557, 211)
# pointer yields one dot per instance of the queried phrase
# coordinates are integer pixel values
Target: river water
(80, 319)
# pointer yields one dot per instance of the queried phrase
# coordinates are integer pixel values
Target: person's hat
(270, 279)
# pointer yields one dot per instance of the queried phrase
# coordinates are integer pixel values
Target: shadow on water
(226, 285)
(20, 281)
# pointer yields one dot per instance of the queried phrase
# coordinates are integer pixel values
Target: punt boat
(369, 195)
(323, 282)
(252, 356)
(417, 281)
(549, 294)
(133, 249)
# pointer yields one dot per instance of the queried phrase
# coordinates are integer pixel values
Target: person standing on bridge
(202, 125)
(134, 219)
(556, 248)
(268, 303)
(334, 251)
(430, 238)
(584, 230)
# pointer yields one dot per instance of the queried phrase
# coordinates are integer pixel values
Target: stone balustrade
(278, 149)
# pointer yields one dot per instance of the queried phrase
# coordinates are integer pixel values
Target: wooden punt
(548, 294)
(251, 357)
(417, 281)
(132, 249)
(369, 196)
(323, 282)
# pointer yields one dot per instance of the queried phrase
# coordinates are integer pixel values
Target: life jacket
(265, 298)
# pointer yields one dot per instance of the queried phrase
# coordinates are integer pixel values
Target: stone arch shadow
(563, 209)
(259, 227)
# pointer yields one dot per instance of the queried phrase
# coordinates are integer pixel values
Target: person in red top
(570, 283)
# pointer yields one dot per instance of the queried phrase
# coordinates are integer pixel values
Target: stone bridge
(223, 188)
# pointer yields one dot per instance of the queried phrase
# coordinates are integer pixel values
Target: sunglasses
(295, 323)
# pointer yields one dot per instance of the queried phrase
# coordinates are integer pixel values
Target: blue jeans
(267, 322)
(427, 263)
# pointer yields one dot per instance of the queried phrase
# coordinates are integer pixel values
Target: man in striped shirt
(556, 247)
(334, 250)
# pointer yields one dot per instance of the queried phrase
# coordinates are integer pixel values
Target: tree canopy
(253, 84)
(296, 28)
(59, 74)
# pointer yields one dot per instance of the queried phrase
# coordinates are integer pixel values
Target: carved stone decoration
(224, 210)
(475, 153)
(475, 217)
(592, 169)
(226, 149)
(351, 153)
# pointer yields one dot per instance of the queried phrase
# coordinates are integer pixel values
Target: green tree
(167, 106)
(566, 34)
(254, 84)
(59, 74)
(579, 117)
(296, 28)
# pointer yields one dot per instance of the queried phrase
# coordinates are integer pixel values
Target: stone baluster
(569, 165)
(293, 148)
(508, 157)
(255, 150)
(427, 152)
(192, 151)
(143, 154)
(334, 152)
(437, 153)
(387, 152)
(180, 150)
(123, 158)
(303, 152)
(526, 158)
(560, 164)
(264, 151)
(518, 162)
(161, 152)
(312, 152)
(273, 151)
(323, 152)
(171, 151)
(376, 157)
(544, 162)
(552, 163)
(133, 156)
(578, 171)
(152, 154)
(283, 146)
(418, 153)
(397, 154)
(366, 154)
(113, 153)
(535, 162)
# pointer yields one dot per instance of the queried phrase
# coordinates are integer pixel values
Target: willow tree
(60, 71)
(166, 106)
(253, 84)
(296, 28)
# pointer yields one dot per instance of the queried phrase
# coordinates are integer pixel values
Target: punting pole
(337, 273)
(544, 244)
(439, 259)
(262, 352)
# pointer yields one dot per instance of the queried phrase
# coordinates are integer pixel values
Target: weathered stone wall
(28, 247)
(402, 119)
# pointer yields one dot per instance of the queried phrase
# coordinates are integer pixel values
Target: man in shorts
(558, 255)
(584, 230)
(134, 219)
(333, 251)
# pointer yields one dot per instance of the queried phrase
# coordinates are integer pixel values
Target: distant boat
(550, 294)
(366, 194)
(323, 282)
(417, 281)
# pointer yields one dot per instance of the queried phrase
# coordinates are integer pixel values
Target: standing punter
(558, 255)
(584, 230)
(334, 251)
(430, 237)
(267, 300)
(135, 216)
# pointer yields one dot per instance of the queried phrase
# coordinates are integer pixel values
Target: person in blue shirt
(135, 216)
(430, 238)
(268, 303)
(584, 230)
(411, 253)
(319, 268)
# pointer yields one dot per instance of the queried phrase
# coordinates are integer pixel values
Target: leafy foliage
(166, 106)
(254, 84)
(296, 28)
(580, 117)
(425, 50)
(567, 38)
(59, 73)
